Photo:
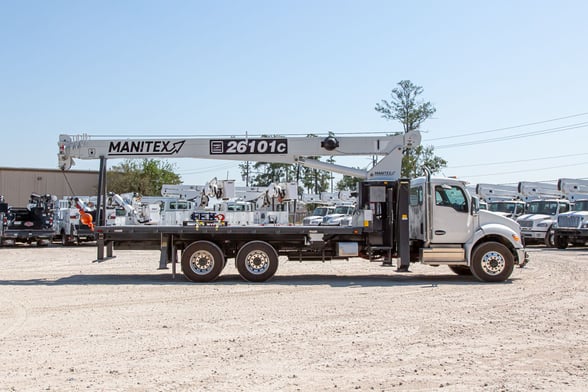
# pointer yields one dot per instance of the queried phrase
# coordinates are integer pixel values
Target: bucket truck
(429, 220)
(572, 226)
(501, 199)
(544, 204)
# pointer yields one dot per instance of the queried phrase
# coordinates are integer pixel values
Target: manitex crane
(445, 227)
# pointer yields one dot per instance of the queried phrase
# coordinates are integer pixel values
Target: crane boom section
(261, 149)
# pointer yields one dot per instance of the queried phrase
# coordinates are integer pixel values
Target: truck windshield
(581, 205)
(502, 207)
(347, 210)
(322, 211)
(542, 207)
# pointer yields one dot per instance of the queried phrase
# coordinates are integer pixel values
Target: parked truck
(32, 224)
(434, 221)
(572, 226)
(501, 199)
(544, 204)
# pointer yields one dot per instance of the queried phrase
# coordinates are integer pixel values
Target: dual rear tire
(203, 261)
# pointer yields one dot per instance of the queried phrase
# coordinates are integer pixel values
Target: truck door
(452, 221)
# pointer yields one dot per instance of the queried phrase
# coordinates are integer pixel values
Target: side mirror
(475, 206)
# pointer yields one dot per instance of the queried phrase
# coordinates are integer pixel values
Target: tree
(406, 107)
(263, 173)
(145, 177)
(348, 183)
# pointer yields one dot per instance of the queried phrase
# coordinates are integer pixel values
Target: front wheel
(549, 238)
(492, 262)
(257, 261)
(202, 261)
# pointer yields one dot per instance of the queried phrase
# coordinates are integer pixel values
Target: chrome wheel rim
(493, 263)
(257, 262)
(201, 262)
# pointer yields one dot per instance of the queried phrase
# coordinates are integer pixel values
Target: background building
(17, 184)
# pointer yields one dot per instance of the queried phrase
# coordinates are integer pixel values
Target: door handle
(440, 232)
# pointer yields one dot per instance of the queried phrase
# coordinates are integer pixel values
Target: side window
(451, 196)
(416, 196)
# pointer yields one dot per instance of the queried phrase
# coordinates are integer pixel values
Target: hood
(575, 213)
(488, 217)
(535, 217)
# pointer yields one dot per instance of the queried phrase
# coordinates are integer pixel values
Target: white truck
(501, 199)
(572, 226)
(445, 227)
(544, 204)
(68, 227)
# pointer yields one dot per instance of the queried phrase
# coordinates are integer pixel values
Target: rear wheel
(461, 269)
(257, 261)
(202, 261)
(492, 262)
(561, 242)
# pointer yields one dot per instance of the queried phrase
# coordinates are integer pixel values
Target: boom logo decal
(145, 147)
(248, 146)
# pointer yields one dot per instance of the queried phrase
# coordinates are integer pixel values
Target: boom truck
(501, 199)
(445, 227)
(544, 204)
(572, 226)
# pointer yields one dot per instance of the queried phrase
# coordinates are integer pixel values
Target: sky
(508, 79)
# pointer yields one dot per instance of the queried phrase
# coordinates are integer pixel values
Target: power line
(518, 136)
(511, 127)
(517, 161)
(524, 171)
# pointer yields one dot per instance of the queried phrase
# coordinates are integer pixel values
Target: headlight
(543, 224)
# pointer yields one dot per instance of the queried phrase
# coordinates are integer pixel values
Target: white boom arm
(261, 149)
(494, 192)
(538, 190)
(573, 189)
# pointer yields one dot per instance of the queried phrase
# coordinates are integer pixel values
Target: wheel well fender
(491, 237)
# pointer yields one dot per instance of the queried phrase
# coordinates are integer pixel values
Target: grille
(569, 221)
(526, 223)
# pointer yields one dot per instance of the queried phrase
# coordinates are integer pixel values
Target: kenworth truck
(434, 221)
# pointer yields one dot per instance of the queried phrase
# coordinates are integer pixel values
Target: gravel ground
(70, 324)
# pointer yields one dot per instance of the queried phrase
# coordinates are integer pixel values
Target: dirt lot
(67, 323)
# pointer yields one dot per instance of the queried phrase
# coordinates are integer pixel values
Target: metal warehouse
(17, 184)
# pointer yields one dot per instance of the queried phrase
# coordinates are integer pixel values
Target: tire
(257, 261)
(560, 242)
(549, 238)
(462, 270)
(492, 262)
(202, 261)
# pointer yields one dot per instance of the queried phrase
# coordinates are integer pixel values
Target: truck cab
(446, 227)
(572, 226)
(540, 215)
(341, 216)
(316, 218)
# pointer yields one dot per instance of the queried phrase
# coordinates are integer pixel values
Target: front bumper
(522, 257)
(533, 234)
(571, 232)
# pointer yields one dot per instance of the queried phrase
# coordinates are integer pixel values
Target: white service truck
(444, 228)
(572, 226)
(544, 204)
(501, 199)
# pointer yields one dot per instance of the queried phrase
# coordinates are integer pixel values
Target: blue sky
(296, 67)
